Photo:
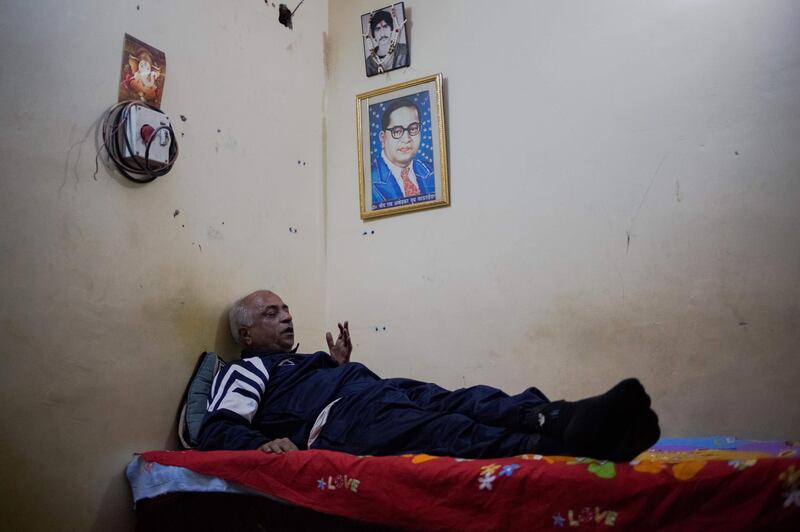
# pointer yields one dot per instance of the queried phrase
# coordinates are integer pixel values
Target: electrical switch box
(145, 125)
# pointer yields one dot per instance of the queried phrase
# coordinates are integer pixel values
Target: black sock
(550, 419)
(642, 433)
(616, 425)
(549, 445)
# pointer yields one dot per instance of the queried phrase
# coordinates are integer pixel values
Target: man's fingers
(340, 350)
(290, 446)
(345, 333)
(285, 445)
(270, 447)
(279, 446)
(267, 447)
(329, 338)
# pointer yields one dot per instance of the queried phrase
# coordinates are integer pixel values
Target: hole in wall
(285, 14)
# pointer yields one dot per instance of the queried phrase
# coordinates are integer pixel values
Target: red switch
(147, 132)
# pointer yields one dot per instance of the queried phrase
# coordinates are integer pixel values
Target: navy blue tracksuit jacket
(263, 397)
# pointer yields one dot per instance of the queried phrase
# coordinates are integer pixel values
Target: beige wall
(107, 298)
(573, 126)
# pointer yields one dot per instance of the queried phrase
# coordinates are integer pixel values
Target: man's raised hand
(340, 351)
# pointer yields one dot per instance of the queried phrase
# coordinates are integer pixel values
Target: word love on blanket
(338, 482)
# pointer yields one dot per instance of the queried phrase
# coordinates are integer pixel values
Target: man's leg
(483, 404)
(617, 425)
(385, 421)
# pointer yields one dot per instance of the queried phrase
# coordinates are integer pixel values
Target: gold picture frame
(402, 148)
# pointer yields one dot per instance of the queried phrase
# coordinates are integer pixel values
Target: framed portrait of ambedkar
(402, 148)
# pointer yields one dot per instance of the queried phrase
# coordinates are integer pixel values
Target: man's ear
(381, 137)
(244, 337)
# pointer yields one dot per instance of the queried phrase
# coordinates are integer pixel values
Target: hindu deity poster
(143, 72)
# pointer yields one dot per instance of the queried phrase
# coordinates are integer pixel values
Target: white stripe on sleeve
(240, 389)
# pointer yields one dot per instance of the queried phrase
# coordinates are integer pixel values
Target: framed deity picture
(385, 40)
(402, 149)
(144, 69)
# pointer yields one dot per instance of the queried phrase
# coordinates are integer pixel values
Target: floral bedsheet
(673, 486)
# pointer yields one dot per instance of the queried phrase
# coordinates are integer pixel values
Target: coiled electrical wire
(116, 141)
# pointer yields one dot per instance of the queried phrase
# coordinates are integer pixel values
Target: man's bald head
(261, 321)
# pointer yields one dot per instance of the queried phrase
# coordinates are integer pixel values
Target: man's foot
(640, 435)
(617, 425)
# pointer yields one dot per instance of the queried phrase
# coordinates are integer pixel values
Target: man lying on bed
(276, 400)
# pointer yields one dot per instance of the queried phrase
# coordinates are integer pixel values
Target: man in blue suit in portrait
(396, 174)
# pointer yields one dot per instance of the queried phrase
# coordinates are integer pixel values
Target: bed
(680, 484)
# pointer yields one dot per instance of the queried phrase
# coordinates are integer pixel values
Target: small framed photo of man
(402, 150)
(385, 42)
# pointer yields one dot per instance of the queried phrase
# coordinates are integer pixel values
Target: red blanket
(702, 490)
